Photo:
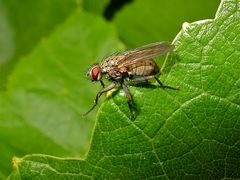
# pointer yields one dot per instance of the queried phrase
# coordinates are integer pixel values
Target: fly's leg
(146, 78)
(165, 86)
(141, 79)
(103, 85)
(130, 100)
(106, 89)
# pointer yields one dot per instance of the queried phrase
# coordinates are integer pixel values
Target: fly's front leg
(106, 89)
(103, 85)
(165, 86)
(130, 100)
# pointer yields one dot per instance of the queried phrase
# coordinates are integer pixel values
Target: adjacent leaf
(48, 92)
(23, 24)
(144, 22)
(97, 7)
(188, 134)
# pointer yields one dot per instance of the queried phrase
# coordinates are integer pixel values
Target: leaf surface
(190, 133)
(48, 92)
(23, 24)
(96, 7)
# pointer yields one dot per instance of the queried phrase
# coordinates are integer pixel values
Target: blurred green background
(46, 48)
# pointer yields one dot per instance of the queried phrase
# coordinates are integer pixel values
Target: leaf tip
(185, 26)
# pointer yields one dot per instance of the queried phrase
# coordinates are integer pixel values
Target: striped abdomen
(143, 68)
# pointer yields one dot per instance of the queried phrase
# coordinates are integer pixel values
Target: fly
(134, 66)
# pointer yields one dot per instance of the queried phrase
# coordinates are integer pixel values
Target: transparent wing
(145, 52)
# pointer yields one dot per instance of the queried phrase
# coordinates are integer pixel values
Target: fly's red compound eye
(95, 73)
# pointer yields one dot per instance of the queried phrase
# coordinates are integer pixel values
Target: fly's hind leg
(141, 79)
(130, 100)
(165, 86)
(146, 78)
(106, 89)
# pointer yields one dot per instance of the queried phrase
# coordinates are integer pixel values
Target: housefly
(134, 66)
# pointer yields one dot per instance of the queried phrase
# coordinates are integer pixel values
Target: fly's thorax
(114, 76)
(110, 62)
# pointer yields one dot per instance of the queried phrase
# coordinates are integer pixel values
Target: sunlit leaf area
(46, 50)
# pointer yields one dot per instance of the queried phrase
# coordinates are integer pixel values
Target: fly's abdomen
(143, 68)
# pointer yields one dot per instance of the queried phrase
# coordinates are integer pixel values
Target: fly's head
(95, 72)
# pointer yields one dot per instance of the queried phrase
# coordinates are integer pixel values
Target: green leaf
(149, 21)
(23, 24)
(185, 134)
(97, 7)
(48, 92)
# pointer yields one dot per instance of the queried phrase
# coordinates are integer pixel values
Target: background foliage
(46, 48)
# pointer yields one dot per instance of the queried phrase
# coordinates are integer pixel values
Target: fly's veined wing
(145, 52)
